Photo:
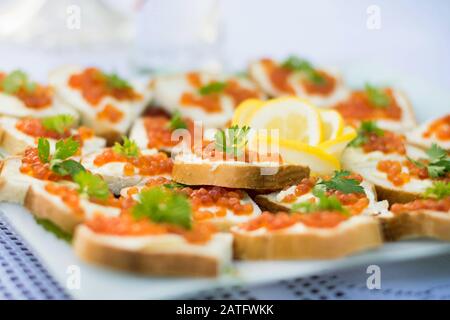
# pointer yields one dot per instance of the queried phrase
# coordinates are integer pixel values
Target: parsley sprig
(439, 190)
(212, 87)
(59, 162)
(365, 129)
(91, 185)
(59, 123)
(439, 162)
(340, 181)
(297, 64)
(377, 96)
(128, 148)
(17, 80)
(233, 140)
(177, 122)
(114, 81)
(162, 205)
(324, 203)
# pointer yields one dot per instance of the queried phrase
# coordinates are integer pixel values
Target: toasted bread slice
(113, 172)
(236, 174)
(356, 234)
(417, 224)
(98, 117)
(158, 255)
(424, 139)
(260, 71)
(45, 205)
(15, 141)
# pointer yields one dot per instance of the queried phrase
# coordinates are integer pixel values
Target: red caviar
(32, 166)
(68, 195)
(159, 133)
(325, 87)
(389, 142)
(210, 103)
(440, 128)
(278, 76)
(423, 204)
(110, 113)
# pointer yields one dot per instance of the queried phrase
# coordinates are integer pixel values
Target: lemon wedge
(294, 118)
(332, 124)
(242, 112)
(336, 146)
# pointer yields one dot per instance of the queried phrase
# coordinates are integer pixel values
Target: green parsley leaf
(324, 203)
(53, 228)
(16, 80)
(66, 148)
(163, 206)
(91, 185)
(114, 81)
(66, 167)
(59, 123)
(366, 128)
(213, 87)
(439, 162)
(177, 122)
(377, 96)
(174, 185)
(232, 141)
(128, 148)
(341, 183)
(297, 64)
(436, 153)
(439, 190)
(43, 150)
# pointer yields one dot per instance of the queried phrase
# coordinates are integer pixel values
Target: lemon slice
(319, 161)
(332, 124)
(243, 111)
(294, 118)
(336, 146)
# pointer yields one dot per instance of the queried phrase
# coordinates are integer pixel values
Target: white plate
(100, 283)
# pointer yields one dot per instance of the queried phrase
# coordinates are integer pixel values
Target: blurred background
(141, 36)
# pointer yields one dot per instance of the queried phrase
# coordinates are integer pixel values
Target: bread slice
(356, 234)
(45, 205)
(261, 76)
(157, 255)
(15, 141)
(417, 224)
(111, 130)
(416, 136)
(236, 174)
(365, 164)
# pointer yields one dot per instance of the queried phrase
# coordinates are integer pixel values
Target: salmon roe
(282, 220)
(389, 142)
(68, 195)
(210, 103)
(278, 76)
(439, 128)
(146, 165)
(239, 93)
(34, 127)
(442, 205)
(358, 108)
(159, 134)
(94, 87)
(126, 225)
(39, 98)
(325, 87)
(111, 114)
(396, 174)
(32, 166)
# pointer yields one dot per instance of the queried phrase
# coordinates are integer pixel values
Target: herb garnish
(53, 228)
(59, 123)
(114, 81)
(439, 190)
(162, 205)
(232, 140)
(324, 203)
(377, 96)
(213, 87)
(17, 80)
(366, 128)
(439, 162)
(91, 185)
(128, 148)
(177, 122)
(297, 64)
(341, 183)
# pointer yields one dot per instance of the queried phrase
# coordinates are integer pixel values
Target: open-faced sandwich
(125, 165)
(204, 96)
(18, 134)
(387, 106)
(399, 172)
(319, 229)
(20, 97)
(155, 236)
(428, 217)
(433, 131)
(107, 103)
(219, 206)
(157, 132)
(228, 162)
(67, 205)
(296, 76)
(356, 195)
(38, 165)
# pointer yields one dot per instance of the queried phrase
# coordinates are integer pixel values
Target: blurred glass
(178, 35)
